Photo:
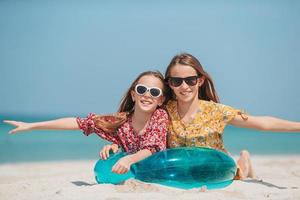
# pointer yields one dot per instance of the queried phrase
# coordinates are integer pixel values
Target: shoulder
(160, 112)
(212, 105)
(171, 106)
(218, 109)
(159, 116)
(159, 121)
(207, 103)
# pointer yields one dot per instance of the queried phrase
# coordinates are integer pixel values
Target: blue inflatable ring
(186, 168)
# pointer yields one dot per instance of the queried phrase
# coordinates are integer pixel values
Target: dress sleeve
(224, 114)
(155, 138)
(227, 112)
(87, 125)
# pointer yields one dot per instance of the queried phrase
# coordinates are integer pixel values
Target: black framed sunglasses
(177, 81)
(141, 90)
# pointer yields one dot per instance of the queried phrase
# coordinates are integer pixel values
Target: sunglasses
(177, 81)
(141, 90)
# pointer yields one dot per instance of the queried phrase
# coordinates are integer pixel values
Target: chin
(186, 99)
(147, 109)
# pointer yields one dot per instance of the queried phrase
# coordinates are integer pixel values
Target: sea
(36, 146)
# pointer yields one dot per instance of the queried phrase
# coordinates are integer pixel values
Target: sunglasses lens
(155, 92)
(191, 81)
(175, 82)
(141, 89)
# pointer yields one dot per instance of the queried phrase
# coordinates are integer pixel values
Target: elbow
(263, 128)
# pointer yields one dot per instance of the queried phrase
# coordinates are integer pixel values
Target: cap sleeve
(87, 125)
(227, 112)
(224, 114)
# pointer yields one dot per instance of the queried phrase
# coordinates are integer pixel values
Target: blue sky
(74, 57)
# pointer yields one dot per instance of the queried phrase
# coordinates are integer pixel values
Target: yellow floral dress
(204, 130)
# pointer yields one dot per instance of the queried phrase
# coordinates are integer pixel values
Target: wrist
(130, 159)
(31, 126)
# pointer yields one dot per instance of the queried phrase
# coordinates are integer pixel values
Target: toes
(203, 188)
(245, 153)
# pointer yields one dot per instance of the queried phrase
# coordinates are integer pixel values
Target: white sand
(75, 180)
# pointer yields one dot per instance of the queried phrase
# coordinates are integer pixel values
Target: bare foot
(244, 163)
(203, 188)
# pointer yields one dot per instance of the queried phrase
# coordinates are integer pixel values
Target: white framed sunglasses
(141, 90)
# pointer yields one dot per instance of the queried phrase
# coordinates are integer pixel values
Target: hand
(20, 126)
(104, 153)
(123, 165)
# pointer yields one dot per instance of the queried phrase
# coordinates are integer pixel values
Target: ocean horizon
(39, 145)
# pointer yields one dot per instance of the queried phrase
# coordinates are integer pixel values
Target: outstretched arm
(58, 124)
(265, 123)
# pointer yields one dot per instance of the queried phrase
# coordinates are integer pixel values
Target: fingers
(19, 126)
(14, 123)
(101, 154)
(119, 169)
(13, 131)
(107, 149)
(104, 153)
(115, 149)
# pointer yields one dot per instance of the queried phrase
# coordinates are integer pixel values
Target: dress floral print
(153, 138)
(204, 130)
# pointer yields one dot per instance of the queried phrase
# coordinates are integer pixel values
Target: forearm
(265, 123)
(140, 155)
(58, 124)
(279, 125)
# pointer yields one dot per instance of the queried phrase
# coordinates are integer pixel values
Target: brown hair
(206, 90)
(110, 123)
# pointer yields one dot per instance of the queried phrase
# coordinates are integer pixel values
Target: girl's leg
(245, 166)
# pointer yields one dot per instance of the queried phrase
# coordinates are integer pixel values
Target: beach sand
(280, 179)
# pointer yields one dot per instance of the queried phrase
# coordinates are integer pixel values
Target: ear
(132, 95)
(201, 81)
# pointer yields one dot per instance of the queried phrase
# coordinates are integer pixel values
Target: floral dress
(153, 138)
(205, 128)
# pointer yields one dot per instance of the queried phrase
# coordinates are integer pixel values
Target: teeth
(146, 102)
(184, 93)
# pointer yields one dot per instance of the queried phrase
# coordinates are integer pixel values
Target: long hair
(206, 90)
(110, 123)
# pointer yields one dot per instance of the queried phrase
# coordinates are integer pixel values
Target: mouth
(185, 93)
(146, 102)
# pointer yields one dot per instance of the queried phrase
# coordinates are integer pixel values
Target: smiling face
(146, 102)
(184, 92)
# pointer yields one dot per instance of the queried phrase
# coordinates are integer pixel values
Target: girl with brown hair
(197, 117)
(139, 127)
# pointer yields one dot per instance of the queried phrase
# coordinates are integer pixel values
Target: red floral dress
(153, 138)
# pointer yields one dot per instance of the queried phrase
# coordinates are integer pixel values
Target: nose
(184, 85)
(147, 94)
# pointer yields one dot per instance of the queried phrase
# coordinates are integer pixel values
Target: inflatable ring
(186, 168)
